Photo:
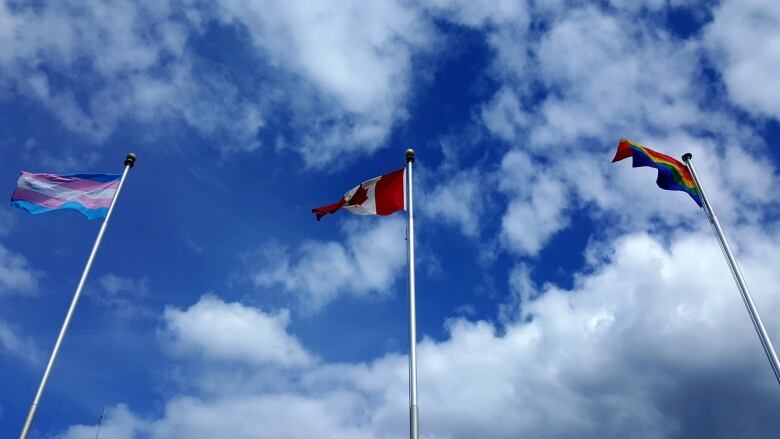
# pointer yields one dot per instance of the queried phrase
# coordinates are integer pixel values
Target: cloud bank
(632, 349)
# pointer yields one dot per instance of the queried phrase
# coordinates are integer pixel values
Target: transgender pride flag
(90, 194)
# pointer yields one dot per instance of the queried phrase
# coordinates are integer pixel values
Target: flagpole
(736, 272)
(129, 162)
(413, 412)
(100, 425)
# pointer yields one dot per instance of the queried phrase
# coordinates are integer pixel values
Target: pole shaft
(766, 343)
(53, 358)
(100, 424)
(413, 413)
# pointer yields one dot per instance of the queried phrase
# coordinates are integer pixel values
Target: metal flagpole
(735, 271)
(413, 413)
(129, 162)
(100, 425)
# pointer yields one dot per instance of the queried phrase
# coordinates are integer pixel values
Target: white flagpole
(129, 162)
(413, 413)
(736, 272)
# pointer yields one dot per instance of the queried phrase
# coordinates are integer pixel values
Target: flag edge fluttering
(672, 174)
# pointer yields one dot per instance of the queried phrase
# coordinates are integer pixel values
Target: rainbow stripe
(90, 194)
(672, 175)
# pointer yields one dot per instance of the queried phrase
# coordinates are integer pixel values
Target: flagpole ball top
(130, 160)
(687, 156)
(409, 155)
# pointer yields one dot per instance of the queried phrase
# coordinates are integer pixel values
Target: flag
(672, 175)
(381, 195)
(90, 194)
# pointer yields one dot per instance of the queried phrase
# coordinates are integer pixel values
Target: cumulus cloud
(642, 344)
(136, 59)
(122, 295)
(7, 222)
(16, 275)
(365, 263)
(743, 41)
(480, 13)
(120, 423)
(339, 69)
(16, 278)
(537, 206)
(503, 115)
(586, 76)
(238, 417)
(358, 58)
(17, 345)
(603, 79)
(220, 331)
(114, 284)
(652, 339)
(459, 200)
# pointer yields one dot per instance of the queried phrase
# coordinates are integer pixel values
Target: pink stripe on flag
(48, 201)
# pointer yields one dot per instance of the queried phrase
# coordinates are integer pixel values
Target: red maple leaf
(360, 196)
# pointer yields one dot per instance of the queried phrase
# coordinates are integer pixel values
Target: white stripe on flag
(55, 191)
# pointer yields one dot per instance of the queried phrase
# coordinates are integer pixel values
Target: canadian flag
(381, 195)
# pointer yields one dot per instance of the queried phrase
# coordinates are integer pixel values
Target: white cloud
(480, 13)
(503, 116)
(580, 77)
(751, 178)
(459, 200)
(603, 79)
(651, 341)
(231, 332)
(640, 6)
(113, 284)
(120, 423)
(641, 346)
(365, 263)
(585, 76)
(278, 416)
(7, 222)
(245, 417)
(16, 275)
(338, 69)
(528, 224)
(537, 206)
(358, 59)
(743, 41)
(106, 39)
(18, 345)
(124, 296)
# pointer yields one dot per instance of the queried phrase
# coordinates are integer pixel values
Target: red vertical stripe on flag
(390, 193)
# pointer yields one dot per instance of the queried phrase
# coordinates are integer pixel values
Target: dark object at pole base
(410, 155)
(130, 160)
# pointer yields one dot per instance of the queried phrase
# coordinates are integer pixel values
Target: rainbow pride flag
(672, 175)
(90, 194)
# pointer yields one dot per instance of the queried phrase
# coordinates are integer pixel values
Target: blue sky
(559, 295)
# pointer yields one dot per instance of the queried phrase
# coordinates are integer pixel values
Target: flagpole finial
(130, 160)
(409, 155)
(687, 156)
